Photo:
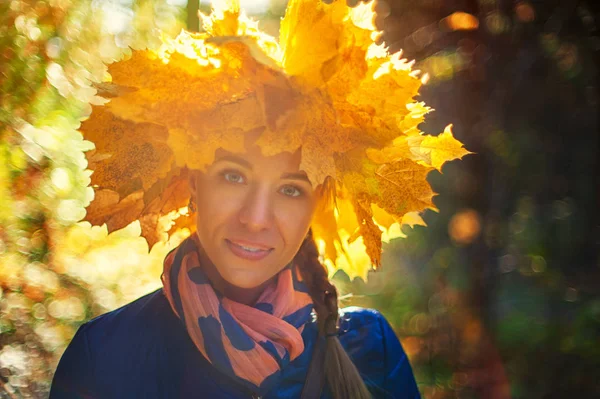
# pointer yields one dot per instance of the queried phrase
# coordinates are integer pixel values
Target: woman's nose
(256, 212)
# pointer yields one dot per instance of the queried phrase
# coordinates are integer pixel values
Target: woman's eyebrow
(234, 159)
(295, 176)
(241, 161)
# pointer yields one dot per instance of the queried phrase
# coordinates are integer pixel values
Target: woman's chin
(246, 279)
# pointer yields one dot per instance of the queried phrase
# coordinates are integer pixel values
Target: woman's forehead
(253, 158)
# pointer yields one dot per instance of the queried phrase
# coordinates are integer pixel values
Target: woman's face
(253, 212)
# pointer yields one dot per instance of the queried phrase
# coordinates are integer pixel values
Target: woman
(259, 270)
(289, 161)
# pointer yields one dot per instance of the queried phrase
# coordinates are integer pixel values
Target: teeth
(249, 249)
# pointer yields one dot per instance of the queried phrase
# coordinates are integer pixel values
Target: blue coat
(142, 350)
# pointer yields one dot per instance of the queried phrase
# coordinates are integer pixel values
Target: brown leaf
(403, 188)
(161, 184)
(107, 208)
(101, 207)
(110, 90)
(187, 221)
(125, 152)
(175, 196)
(370, 232)
(150, 231)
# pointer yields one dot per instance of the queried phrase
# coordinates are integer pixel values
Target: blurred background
(499, 297)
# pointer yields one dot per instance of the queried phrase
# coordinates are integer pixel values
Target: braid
(342, 376)
(315, 276)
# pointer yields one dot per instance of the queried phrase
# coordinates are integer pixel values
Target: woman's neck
(247, 296)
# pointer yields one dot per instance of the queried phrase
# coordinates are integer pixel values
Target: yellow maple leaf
(352, 258)
(383, 218)
(392, 77)
(413, 219)
(403, 147)
(311, 125)
(224, 18)
(324, 224)
(442, 148)
(314, 22)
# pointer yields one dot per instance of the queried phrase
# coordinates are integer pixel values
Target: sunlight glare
(252, 7)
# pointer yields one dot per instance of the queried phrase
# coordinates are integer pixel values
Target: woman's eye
(233, 177)
(291, 191)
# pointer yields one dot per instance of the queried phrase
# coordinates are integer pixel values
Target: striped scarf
(250, 343)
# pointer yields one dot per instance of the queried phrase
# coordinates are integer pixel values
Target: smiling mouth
(247, 251)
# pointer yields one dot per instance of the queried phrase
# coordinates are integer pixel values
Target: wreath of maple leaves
(326, 86)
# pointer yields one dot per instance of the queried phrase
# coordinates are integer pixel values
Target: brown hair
(342, 376)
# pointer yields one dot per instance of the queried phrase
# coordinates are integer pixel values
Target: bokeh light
(465, 226)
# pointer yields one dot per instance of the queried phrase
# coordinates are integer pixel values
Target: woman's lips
(258, 252)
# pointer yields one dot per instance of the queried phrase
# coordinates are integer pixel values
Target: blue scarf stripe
(236, 334)
(197, 276)
(299, 286)
(300, 316)
(270, 348)
(211, 332)
(265, 307)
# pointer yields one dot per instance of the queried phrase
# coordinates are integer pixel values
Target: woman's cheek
(295, 217)
(224, 197)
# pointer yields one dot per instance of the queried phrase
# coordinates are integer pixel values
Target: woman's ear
(192, 176)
